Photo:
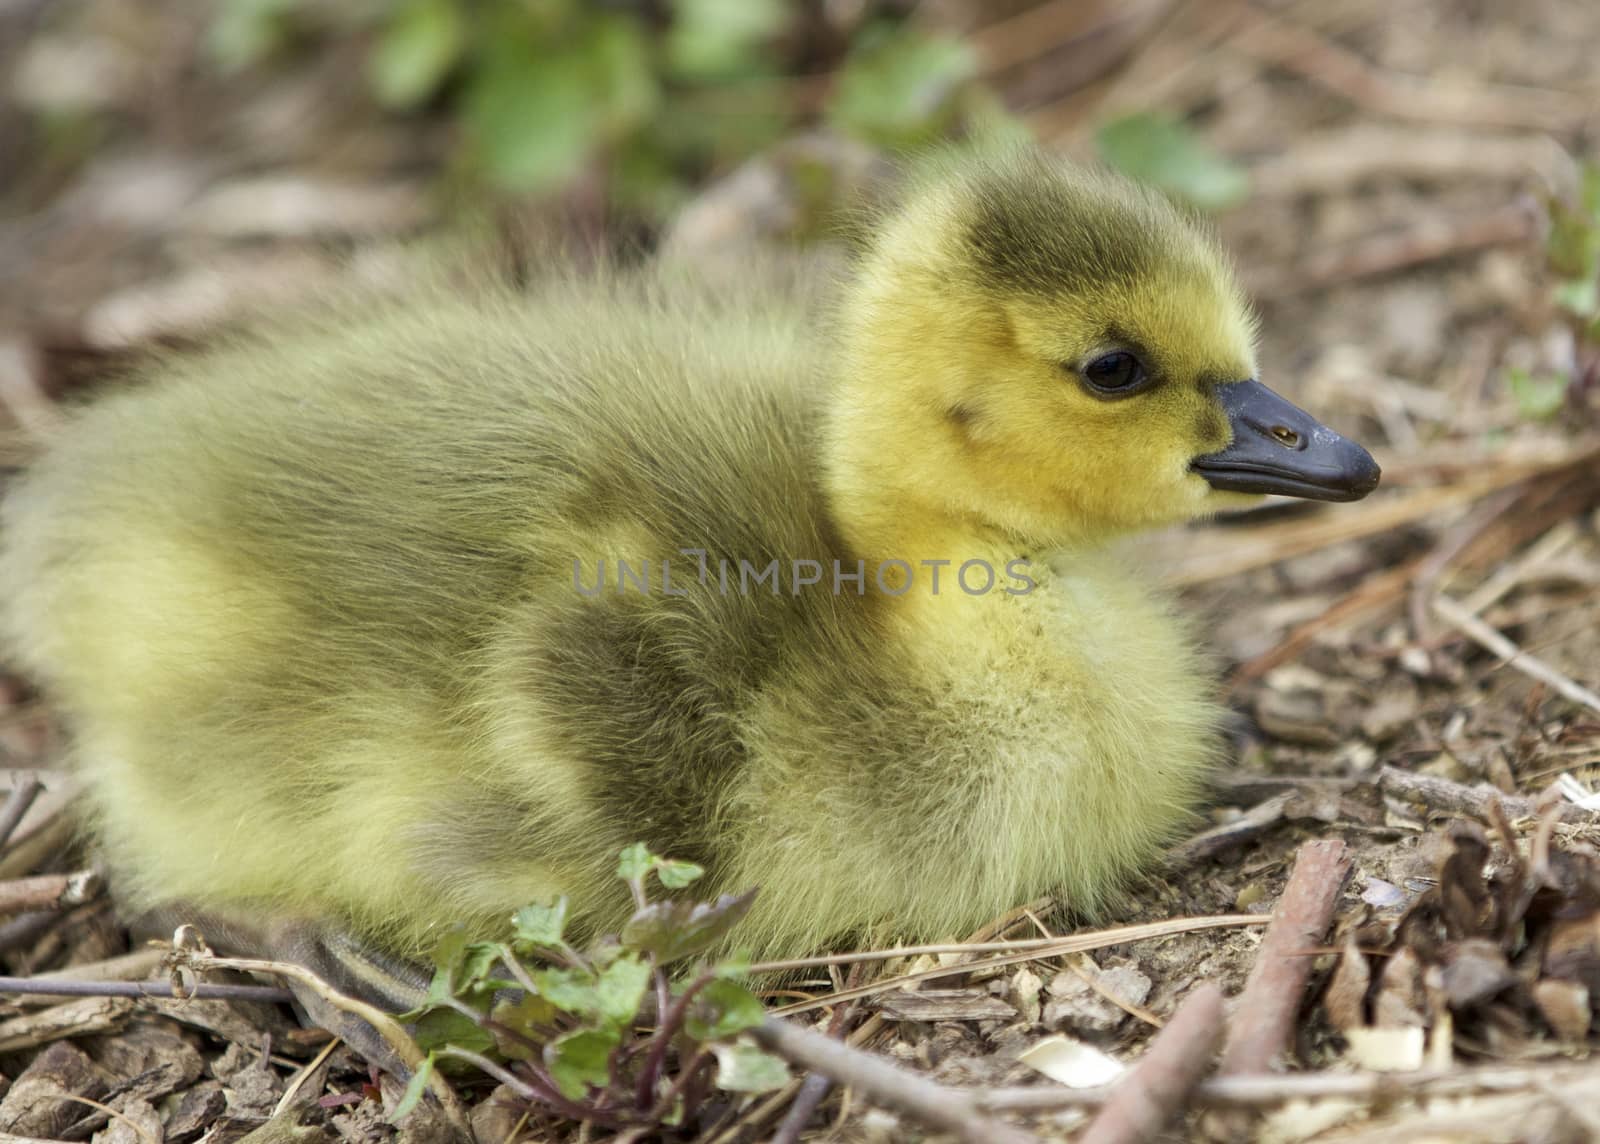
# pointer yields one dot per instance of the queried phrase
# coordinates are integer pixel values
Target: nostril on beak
(1285, 436)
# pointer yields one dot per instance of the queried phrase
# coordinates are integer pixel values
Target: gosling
(419, 609)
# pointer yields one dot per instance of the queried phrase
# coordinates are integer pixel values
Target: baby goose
(421, 610)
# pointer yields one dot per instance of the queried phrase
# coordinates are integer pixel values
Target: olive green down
(318, 606)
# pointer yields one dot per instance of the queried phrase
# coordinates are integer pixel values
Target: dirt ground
(1402, 155)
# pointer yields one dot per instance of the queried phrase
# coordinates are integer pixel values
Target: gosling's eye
(1115, 374)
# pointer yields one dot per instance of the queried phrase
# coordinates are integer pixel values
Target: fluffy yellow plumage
(319, 604)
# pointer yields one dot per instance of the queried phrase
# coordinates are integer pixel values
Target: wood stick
(947, 1109)
(1265, 1090)
(1150, 1097)
(1447, 797)
(48, 892)
(1220, 553)
(1263, 1021)
(205, 990)
(1375, 591)
(1428, 241)
(187, 955)
(1337, 69)
(1533, 667)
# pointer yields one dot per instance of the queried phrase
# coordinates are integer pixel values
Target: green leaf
(1580, 297)
(1589, 193)
(745, 1068)
(245, 32)
(1537, 398)
(415, 1087)
(623, 75)
(736, 967)
(675, 930)
(620, 989)
(580, 1060)
(531, 114)
(570, 990)
(711, 39)
(531, 1015)
(635, 862)
(477, 962)
(677, 875)
(1573, 246)
(420, 44)
(1166, 153)
(541, 926)
(437, 1028)
(448, 957)
(898, 87)
(721, 1010)
(439, 991)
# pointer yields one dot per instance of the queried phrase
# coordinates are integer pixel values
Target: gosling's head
(1056, 354)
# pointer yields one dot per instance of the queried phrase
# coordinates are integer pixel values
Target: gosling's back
(290, 593)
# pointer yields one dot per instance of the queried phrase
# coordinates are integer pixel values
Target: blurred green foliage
(1166, 153)
(1572, 254)
(1539, 397)
(659, 91)
(1573, 249)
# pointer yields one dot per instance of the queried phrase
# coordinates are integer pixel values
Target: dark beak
(1279, 448)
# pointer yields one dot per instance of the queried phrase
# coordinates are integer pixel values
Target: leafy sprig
(564, 1024)
(1572, 254)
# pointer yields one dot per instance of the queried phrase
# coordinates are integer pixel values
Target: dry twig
(1033, 951)
(1533, 667)
(1223, 552)
(1373, 592)
(1429, 240)
(1263, 1019)
(49, 892)
(1442, 796)
(201, 960)
(1265, 1090)
(1152, 1095)
(1343, 72)
(947, 1109)
(205, 990)
(1209, 843)
(1335, 160)
(815, 1087)
(1111, 27)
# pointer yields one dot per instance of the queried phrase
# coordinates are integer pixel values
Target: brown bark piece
(196, 1110)
(78, 1018)
(35, 1105)
(1263, 1020)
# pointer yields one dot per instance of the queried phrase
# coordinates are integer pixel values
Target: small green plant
(561, 1026)
(1572, 256)
(1572, 252)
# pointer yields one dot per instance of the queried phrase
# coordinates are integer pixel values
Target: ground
(1402, 159)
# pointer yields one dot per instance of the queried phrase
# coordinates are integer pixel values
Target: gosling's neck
(903, 476)
(885, 498)
(898, 493)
